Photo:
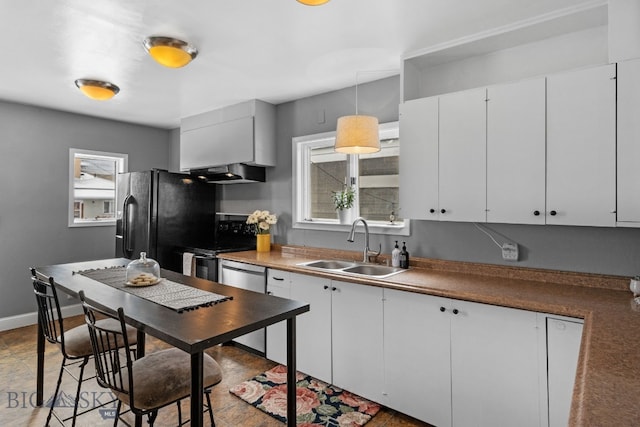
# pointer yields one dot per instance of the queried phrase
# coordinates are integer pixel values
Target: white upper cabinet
(628, 182)
(462, 156)
(581, 147)
(419, 158)
(516, 138)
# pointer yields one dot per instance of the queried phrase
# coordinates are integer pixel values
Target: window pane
(94, 188)
(379, 182)
(328, 173)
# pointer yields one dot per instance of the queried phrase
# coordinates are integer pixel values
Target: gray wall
(584, 249)
(34, 148)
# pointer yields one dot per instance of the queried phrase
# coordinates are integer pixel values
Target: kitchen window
(318, 171)
(92, 186)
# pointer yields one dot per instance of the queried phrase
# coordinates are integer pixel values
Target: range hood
(236, 173)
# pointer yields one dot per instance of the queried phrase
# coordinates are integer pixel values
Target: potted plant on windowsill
(343, 202)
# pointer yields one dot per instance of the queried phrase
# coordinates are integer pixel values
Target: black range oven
(232, 234)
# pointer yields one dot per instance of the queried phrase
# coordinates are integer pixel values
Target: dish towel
(188, 264)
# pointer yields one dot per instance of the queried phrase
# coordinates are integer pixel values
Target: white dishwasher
(252, 278)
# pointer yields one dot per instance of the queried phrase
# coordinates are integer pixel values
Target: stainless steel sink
(330, 264)
(373, 270)
(349, 268)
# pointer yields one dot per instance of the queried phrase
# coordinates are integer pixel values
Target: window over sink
(92, 186)
(319, 171)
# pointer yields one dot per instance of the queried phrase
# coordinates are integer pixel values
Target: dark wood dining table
(192, 331)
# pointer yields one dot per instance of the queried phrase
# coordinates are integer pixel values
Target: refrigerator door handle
(126, 227)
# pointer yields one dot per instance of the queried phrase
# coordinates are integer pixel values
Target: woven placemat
(176, 296)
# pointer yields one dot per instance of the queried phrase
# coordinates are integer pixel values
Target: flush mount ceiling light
(96, 89)
(313, 2)
(357, 134)
(170, 52)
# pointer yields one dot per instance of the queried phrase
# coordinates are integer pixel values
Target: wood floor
(18, 384)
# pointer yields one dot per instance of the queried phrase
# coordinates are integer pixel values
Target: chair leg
(207, 394)
(77, 400)
(115, 422)
(151, 418)
(55, 395)
(179, 413)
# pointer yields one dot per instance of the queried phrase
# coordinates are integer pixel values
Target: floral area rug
(317, 403)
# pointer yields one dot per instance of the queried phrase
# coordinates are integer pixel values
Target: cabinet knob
(455, 311)
(326, 287)
(442, 309)
(443, 210)
(536, 213)
(279, 279)
(553, 213)
(333, 288)
(432, 210)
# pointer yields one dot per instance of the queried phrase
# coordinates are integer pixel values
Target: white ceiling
(274, 50)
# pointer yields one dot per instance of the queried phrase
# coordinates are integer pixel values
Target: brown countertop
(607, 386)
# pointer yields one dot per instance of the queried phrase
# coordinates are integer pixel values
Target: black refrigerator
(161, 213)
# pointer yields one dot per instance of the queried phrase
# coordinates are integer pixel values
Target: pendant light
(357, 134)
(313, 2)
(170, 52)
(96, 89)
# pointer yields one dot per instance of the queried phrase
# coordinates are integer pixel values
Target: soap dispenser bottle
(395, 256)
(404, 256)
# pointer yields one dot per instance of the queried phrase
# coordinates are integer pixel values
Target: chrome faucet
(367, 253)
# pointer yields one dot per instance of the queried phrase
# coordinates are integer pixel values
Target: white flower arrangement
(262, 221)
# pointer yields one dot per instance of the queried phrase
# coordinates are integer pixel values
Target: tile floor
(17, 387)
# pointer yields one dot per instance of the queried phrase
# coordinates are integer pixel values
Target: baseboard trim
(13, 322)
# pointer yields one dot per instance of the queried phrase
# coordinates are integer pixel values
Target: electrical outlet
(510, 251)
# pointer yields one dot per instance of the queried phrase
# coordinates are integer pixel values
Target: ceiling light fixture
(96, 89)
(357, 134)
(170, 52)
(313, 2)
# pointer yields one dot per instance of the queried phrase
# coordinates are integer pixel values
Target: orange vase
(263, 242)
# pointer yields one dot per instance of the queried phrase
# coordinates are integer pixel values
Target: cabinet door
(417, 371)
(313, 328)
(279, 285)
(581, 144)
(357, 339)
(419, 158)
(462, 161)
(628, 182)
(494, 366)
(563, 348)
(516, 139)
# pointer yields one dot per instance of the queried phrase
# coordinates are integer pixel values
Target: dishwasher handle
(245, 268)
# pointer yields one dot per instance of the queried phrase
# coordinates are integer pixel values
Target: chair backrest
(50, 317)
(111, 348)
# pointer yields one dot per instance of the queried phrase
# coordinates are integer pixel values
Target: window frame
(300, 182)
(122, 165)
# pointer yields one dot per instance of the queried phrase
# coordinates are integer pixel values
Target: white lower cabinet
(417, 356)
(357, 339)
(339, 340)
(443, 361)
(563, 348)
(313, 328)
(494, 366)
(458, 363)
(279, 285)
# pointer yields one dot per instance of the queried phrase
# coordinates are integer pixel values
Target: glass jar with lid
(143, 272)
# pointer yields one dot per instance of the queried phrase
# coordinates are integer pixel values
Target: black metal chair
(149, 383)
(74, 343)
